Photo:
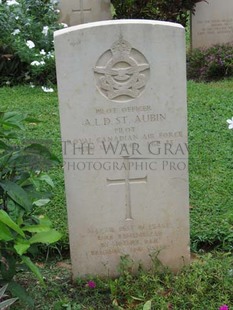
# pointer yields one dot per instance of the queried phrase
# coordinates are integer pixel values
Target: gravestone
(75, 12)
(212, 23)
(122, 97)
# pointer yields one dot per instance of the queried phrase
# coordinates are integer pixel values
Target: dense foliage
(167, 10)
(210, 64)
(24, 188)
(26, 41)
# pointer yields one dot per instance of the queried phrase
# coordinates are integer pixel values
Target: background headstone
(122, 94)
(212, 23)
(75, 12)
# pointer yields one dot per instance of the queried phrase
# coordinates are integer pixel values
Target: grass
(211, 163)
(207, 282)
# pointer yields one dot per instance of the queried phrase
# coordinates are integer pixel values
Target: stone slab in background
(212, 23)
(75, 12)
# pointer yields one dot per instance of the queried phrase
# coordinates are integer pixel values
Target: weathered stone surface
(122, 94)
(76, 12)
(212, 23)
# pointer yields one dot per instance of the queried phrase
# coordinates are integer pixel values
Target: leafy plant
(210, 64)
(168, 10)
(26, 41)
(23, 187)
(7, 302)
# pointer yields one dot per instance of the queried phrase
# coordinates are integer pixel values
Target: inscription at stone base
(110, 241)
(212, 23)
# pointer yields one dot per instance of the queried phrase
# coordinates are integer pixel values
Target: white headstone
(212, 23)
(122, 94)
(76, 12)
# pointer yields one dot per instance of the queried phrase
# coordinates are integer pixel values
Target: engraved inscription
(215, 27)
(134, 238)
(121, 72)
(127, 181)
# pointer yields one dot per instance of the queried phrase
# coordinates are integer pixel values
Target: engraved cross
(127, 181)
(81, 10)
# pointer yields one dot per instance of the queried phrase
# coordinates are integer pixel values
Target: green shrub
(210, 64)
(167, 10)
(26, 41)
(23, 189)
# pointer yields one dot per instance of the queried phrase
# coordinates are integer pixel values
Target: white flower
(45, 30)
(16, 17)
(230, 122)
(57, 11)
(11, 2)
(32, 85)
(16, 31)
(64, 25)
(30, 44)
(35, 63)
(42, 52)
(47, 90)
(8, 82)
(50, 55)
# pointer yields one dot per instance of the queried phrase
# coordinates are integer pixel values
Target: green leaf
(4, 146)
(20, 292)
(4, 218)
(22, 247)
(147, 305)
(50, 236)
(47, 179)
(14, 211)
(42, 151)
(41, 202)
(4, 160)
(138, 298)
(2, 291)
(17, 193)
(8, 266)
(33, 268)
(32, 120)
(36, 228)
(5, 233)
(45, 221)
(6, 303)
(12, 119)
